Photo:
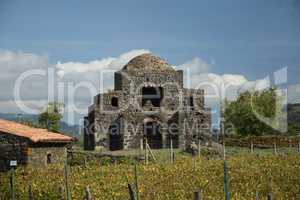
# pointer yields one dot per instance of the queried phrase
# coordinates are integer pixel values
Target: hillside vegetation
(241, 115)
(294, 118)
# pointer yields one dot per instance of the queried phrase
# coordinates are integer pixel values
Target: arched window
(114, 102)
(152, 94)
(49, 158)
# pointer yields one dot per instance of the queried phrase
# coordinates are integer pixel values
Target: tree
(294, 118)
(242, 113)
(51, 117)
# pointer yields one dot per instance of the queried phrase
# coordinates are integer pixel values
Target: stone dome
(147, 63)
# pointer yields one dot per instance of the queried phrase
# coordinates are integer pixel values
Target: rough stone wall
(172, 85)
(105, 101)
(11, 139)
(128, 90)
(27, 153)
(37, 156)
(103, 122)
(12, 148)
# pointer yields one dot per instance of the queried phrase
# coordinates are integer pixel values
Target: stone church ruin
(148, 103)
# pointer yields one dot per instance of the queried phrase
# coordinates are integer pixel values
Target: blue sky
(253, 38)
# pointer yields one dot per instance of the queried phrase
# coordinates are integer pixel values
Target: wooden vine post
(84, 162)
(61, 192)
(141, 148)
(136, 182)
(275, 148)
(88, 194)
(194, 163)
(226, 181)
(67, 182)
(141, 144)
(270, 196)
(30, 194)
(131, 192)
(171, 151)
(146, 152)
(151, 153)
(256, 195)
(199, 148)
(12, 183)
(198, 195)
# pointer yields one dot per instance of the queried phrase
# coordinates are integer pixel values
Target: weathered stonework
(38, 156)
(28, 153)
(149, 103)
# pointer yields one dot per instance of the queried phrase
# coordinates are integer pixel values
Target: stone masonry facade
(148, 103)
(31, 154)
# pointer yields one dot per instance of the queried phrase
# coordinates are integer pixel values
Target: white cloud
(12, 65)
(110, 63)
(35, 89)
(227, 86)
(234, 79)
(196, 75)
(196, 65)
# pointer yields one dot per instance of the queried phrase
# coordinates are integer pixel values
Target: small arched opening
(49, 158)
(152, 94)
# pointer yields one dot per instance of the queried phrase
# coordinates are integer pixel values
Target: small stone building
(31, 146)
(148, 103)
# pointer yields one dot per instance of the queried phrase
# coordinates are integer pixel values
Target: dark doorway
(49, 158)
(152, 94)
(114, 102)
(153, 135)
(191, 101)
(115, 142)
(115, 137)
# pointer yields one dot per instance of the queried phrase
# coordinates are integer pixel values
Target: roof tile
(33, 134)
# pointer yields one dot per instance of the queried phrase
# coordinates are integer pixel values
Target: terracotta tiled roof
(33, 134)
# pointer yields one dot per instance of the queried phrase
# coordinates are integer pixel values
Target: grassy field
(248, 174)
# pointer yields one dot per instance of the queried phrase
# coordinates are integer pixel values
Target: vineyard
(263, 141)
(251, 177)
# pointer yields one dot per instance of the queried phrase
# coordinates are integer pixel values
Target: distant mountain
(65, 128)
(294, 118)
